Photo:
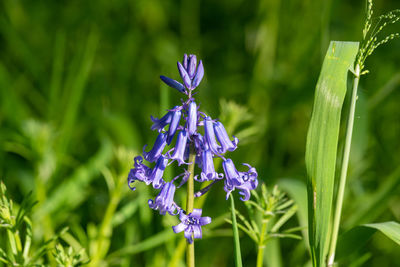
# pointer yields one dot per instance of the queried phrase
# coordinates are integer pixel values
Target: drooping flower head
(196, 132)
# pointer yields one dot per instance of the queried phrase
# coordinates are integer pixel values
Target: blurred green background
(80, 79)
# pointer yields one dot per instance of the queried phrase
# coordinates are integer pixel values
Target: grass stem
(345, 164)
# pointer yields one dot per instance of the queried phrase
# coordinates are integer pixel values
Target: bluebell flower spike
(194, 129)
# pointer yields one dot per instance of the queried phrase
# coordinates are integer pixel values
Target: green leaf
(322, 143)
(357, 237)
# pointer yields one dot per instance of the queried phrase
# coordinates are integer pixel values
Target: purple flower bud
(140, 173)
(191, 224)
(185, 76)
(164, 202)
(192, 65)
(208, 172)
(176, 117)
(158, 171)
(180, 147)
(223, 138)
(199, 75)
(244, 181)
(159, 124)
(192, 118)
(185, 61)
(174, 84)
(209, 136)
(157, 149)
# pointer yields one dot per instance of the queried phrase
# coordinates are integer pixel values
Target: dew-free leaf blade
(322, 142)
(357, 237)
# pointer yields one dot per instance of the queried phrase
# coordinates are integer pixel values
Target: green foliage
(322, 143)
(268, 212)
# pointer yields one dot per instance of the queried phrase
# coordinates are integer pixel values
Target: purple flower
(140, 173)
(199, 75)
(176, 117)
(209, 136)
(192, 118)
(199, 143)
(223, 138)
(158, 171)
(185, 76)
(191, 76)
(208, 172)
(164, 202)
(192, 66)
(180, 147)
(191, 224)
(244, 181)
(157, 149)
(159, 124)
(174, 84)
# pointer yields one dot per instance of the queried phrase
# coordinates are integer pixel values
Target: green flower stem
(345, 164)
(238, 256)
(189, 203)
(261, 243)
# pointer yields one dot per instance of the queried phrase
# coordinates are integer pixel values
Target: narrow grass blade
(322, 142)
(238, 256)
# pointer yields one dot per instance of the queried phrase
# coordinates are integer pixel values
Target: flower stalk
(190, 203)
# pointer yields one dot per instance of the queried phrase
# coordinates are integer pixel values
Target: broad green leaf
(357, 237)
(322, 143)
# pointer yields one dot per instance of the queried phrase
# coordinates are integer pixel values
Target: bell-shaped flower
(180, 147)
(244, 181)
(199, 143)
(209, 136)
(174, 84)
(191, 224)
(223, 138)
(173, 126)
(159, 124)
(164, 202)
(158, 171)
(157, 149)
(191, 123)
(208, 172)
(139, 173)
